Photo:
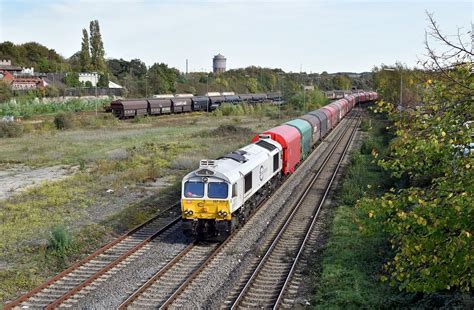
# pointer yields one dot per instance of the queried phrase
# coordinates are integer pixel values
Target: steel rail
(89, 258)
(174, 261)
(313, 222)
(154, 278)
(290, 217)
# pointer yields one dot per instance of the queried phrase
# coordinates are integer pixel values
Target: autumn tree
(430, 218)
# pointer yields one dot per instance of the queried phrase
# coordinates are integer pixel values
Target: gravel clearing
(215, 283)
(16, 178)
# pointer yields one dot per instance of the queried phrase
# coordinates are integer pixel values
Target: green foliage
(63, 121)
(352, 261)
(72, 79)
(103, 81)
(85, 57)
(97, 48)
(342, 82)
(5, 91)
(27, 107)
(162, 79)
(88, 84)
(304, 101)
(365, 125)
(51, 91)
(60, 240)
(10, 129)
(82, 164)
(430, 220)
(35, 55)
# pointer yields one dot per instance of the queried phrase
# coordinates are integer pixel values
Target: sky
(312, 36)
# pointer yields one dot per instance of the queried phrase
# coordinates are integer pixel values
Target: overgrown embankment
(352, 260)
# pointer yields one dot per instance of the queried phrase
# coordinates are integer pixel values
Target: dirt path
(14, 179)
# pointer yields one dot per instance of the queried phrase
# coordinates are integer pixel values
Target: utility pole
(304, 99)
(146, 85)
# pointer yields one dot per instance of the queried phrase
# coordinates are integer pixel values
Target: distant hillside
(35, 55)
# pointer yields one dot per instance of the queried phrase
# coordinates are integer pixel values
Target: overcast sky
(337, 35)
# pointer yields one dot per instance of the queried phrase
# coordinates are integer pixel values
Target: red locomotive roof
(290, 139)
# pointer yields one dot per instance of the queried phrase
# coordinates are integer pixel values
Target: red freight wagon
(345, 105)
(334, 114)
(352, 101)
(340, 109)
(289, 138)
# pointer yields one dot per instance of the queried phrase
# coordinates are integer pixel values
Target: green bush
(10, 129)
(27, 106)
(365, 125)
(63, 121)
(60, 240)
(368, 146)
(5, 91)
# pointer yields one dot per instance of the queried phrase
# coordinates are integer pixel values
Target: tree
(430, 219)
(162, 79)
(342, 82)
(72, 79)
(5, 91)
(97, 48)
(85, 57)
(103, 81)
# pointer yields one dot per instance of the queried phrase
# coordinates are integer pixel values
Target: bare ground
(16, 178)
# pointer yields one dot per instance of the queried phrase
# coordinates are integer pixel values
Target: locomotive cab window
(234, 190)
(217, 190)
(276, 162)
(248, 182)
(193, 189)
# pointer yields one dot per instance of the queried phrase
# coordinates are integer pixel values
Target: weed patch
(10, 129)
(63, 121)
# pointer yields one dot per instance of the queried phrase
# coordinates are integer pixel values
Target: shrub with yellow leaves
(430, 217)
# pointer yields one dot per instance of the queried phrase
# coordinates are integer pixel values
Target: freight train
(130, 108)
(222, 193)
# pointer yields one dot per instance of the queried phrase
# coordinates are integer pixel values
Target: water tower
(218, 63)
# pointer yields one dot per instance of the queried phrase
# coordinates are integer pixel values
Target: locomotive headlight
(188, 212)
(222, 213)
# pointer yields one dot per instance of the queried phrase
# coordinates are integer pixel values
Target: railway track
(167, 286)
(265, 286)
(94, 268)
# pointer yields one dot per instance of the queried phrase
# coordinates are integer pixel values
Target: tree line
(139, 80)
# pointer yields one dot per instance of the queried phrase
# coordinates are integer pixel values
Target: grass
(348, 276)
(120, 157)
